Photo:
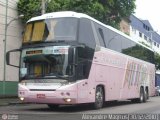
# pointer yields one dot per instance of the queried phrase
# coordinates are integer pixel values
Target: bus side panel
(110, 69)
(152, 81)
(122, 75)
(110, 77)
(86, 88)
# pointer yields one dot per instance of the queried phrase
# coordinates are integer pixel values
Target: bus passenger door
(82, 83)
(81, 75)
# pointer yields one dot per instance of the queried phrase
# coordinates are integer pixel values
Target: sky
(149, 10)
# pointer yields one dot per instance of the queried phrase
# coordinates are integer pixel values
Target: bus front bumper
(48, 97)
(56, 97)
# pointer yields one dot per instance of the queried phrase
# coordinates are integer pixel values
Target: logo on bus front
(60, 49)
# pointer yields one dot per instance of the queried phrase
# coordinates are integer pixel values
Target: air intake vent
(42, 90)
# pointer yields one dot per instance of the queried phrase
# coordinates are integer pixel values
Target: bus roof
(80, 15)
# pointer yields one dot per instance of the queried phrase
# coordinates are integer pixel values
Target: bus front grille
(42, 90)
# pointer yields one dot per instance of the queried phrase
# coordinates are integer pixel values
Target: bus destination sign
(33, 52)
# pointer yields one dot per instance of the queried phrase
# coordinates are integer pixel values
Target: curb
(3, 104)
(17, 103)
(12, 103)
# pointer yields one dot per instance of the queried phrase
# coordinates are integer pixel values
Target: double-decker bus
(71, 58)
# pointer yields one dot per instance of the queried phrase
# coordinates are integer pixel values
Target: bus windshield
(45, 66)
(51, 30)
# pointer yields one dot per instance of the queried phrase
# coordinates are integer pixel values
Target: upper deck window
(51, 30)
(38, 31)
(27, 34)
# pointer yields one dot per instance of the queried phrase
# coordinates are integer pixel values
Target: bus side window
(100, 34)
(86, 35)
(101, 39)
(113, 40)
(81, 61)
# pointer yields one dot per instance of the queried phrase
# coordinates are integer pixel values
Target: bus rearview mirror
(15, 55)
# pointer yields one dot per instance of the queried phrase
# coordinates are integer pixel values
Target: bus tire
(99, 98)
(147, 94)
(53, 106)
(142, 97)
(135, 100)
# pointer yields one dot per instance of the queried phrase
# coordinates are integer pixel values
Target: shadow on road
(82, 107)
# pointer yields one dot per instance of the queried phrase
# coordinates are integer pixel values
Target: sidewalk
(9, 101)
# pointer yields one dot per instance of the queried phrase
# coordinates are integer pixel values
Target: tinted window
(51, 29)
(84, 62)
(119, 43)
(126, 44)
(85, 55)
(100, 33)
(137, 51)
(113, 40)
(86, 33)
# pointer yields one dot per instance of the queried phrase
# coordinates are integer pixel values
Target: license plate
(41, 96)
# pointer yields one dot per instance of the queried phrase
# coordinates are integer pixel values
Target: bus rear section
(123, 77)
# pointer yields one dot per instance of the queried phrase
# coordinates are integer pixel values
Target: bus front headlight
(21, 98)
(68, 100)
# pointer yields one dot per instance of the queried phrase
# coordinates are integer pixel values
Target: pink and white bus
(71, 58)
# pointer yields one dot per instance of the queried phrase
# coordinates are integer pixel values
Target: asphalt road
(121, 110)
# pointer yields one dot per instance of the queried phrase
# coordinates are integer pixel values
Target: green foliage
(107, 11)
(139, 52)
(145, 44)
(29, 8)
(157, 61)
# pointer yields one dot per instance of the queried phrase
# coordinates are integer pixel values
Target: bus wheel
(53, 106)
(99, 98)
(142, 96)
(147, 94)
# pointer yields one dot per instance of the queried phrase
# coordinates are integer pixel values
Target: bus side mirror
(70, 55)
(15, 54)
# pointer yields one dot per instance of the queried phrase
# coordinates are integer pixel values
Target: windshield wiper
(56, 75)
(32, 76)
(49, 76)
(54, 41)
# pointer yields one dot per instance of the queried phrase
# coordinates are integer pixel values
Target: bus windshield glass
(45, 65)
(64, 29)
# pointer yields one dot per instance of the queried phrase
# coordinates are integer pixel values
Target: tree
(107, 11)
(29, 8)
(157, 61)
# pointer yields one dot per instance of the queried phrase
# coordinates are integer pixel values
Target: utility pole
(5, 43)
(43, 7)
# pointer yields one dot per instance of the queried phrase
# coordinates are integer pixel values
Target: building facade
(13, 29)
(141, 31)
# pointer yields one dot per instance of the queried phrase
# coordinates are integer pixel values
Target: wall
(125, 26)
(13, 42)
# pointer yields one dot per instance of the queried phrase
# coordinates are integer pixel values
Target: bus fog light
(67, 100)
(62, 93)
(68, 93)
(21, 93)
(21, 98)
